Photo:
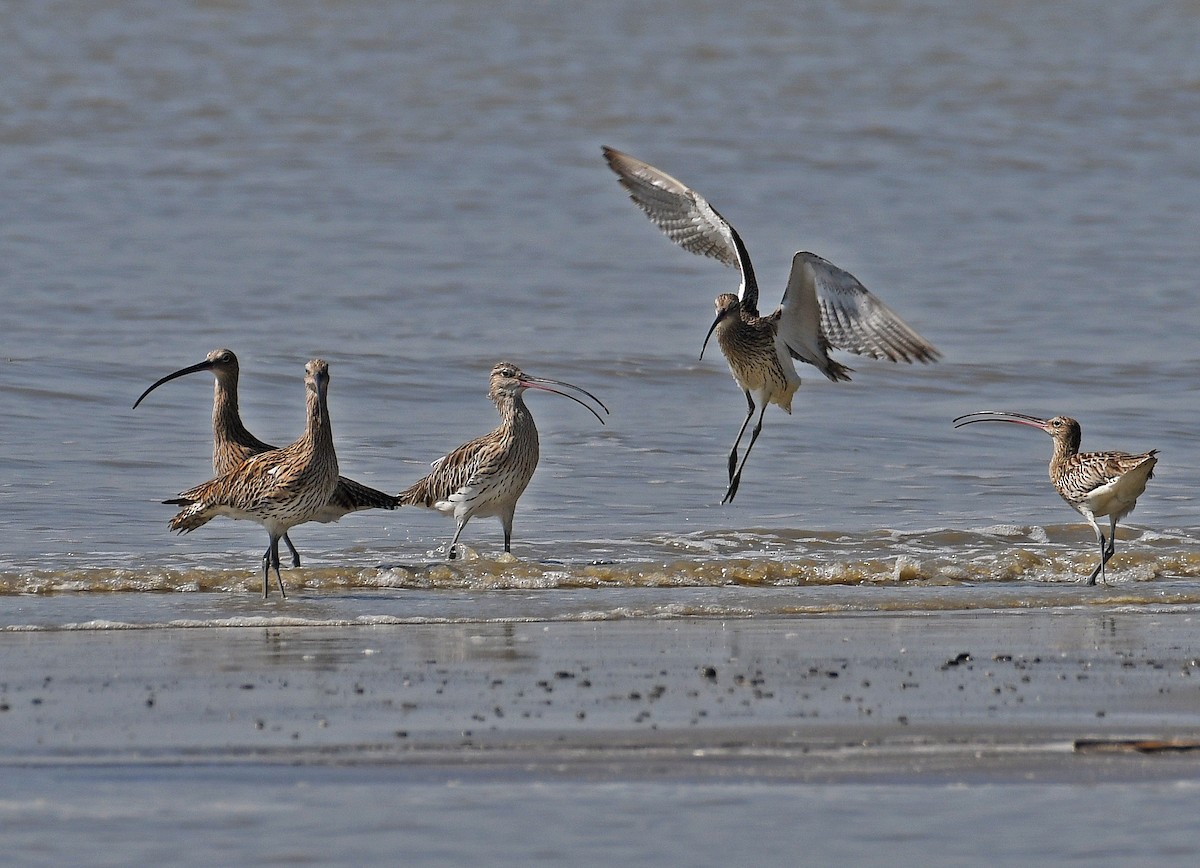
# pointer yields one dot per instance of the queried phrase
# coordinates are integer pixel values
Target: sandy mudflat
(1025, 695)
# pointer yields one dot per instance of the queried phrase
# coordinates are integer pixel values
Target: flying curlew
(823, 306)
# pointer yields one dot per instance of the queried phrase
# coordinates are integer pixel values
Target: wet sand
(1047, 695)
(991, 737)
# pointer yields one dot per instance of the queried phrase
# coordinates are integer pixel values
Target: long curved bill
(712, 328)
(1000, 416)
(545, 384)
(206, 365)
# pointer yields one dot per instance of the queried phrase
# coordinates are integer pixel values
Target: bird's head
(1063, 429)
(727, 304)
(509, 380)
(222, 362)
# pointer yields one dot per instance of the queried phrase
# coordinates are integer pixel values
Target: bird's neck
(738, 327)
(1064, 450)
(318, 430)
(227, 422)
(515, 417)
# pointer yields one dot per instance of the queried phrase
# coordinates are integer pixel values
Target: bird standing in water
(823, 306)
(278, 489)
(1095, 484)
(488, 475)
(233, 443)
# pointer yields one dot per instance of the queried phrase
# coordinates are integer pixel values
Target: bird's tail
(352, 496)
(1152, 456)
(193, 515)
(836, 371)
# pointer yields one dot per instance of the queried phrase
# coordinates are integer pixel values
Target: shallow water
(265, 815)
(414, 191)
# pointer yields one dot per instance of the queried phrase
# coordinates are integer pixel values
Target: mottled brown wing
(449, 475)
(1092, 470)
(246, 488)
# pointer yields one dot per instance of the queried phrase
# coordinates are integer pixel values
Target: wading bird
(1095, 484)
(233, 444)
(823, 307)
(487, 475)
(278, 489)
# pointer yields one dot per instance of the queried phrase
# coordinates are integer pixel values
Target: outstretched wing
(825, 307)
(686, 218)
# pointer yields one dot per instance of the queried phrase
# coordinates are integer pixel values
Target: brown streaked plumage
(823, 306)
(1095, 484)
(278, 489)
(488, 475)
(233, 443)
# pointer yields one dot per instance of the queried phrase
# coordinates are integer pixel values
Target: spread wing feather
(825, 306)
(685, 216)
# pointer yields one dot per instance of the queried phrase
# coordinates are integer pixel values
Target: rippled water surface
(414, 191)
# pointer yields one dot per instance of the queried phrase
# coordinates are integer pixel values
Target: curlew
(823, 306)
(278, 489)
(233, 443)
(1095, 484)
(487, 476)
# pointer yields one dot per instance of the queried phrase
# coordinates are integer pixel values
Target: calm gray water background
(414, 191)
